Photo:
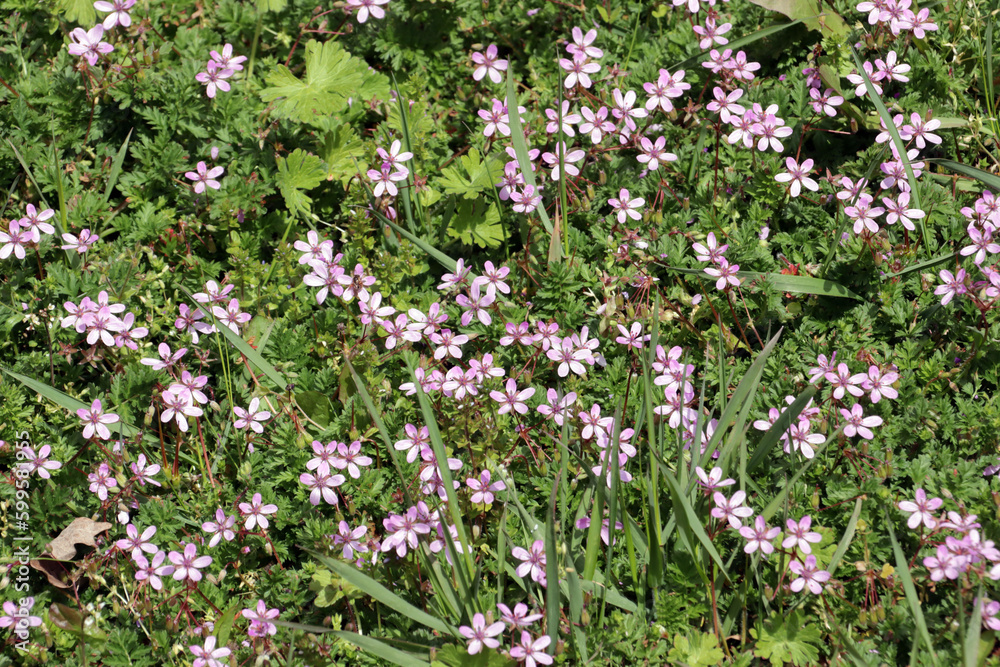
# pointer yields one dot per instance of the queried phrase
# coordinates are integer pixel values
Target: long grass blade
(779, 427)
(244, 348)
(991, 181)
(463, 563)
(903, 572)
(116, 169)
(377, 591)
(552, 602)
(971, 646)
(845, 541)
(896, 140)
(926, 264)
(688, 521)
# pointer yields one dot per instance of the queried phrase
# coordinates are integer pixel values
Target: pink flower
(119, 12)
(633, 337)
(512, 399)
(581, 44)
(89, 44)
(39, 462)
(372, 7)
(532, 561)
(920, 510)
(532, 652)
(251, 417)
(35, 223)
(260, 625)
(808, 575)
(187, 565)
(214, 77)
(14, 240)
(712, 480)
(225, 60)
(798, 535)
(102, 481)
(653, 153)
(255, 512)
(208, 655)
(759, 536)
(726, 275)
(731, 509)
(205, 177)
(221, 528)
(490, 64)
(954, 285)
(858, 424)
(350, 540)
(483, 490)
(798, 175)
(480, 634)
(579, 70)
(519, 618)
(95, 420)
(626, 207)
(151, 571)
(135, 543)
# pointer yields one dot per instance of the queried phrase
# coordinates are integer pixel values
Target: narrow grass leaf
(971, 647)
(896, 139)
(552, 602)
(903, 572)
(462, 563)
(244, 348)
(779, 427)
(358, 579)
(845, 541)
(521, 147)
(779, 500)
(739, 43)
(432, 252)
(688, 521)
(116, 169)
(383, 650)
(740, 404)
(992, 181)
(926, 264)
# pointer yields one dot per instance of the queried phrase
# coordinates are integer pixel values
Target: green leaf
(477, 222)
(438, 256)
(271, 5)
(332, 76)
(688, 522)
(812, 13)
(470, 176)
(698, 649)
(788, 639)
(224, 626)
(458, 656)
(341, 148)
(799, 284)
(317, 406)
(926, 264)
(299, 172)
(845, 541)
(78, 11)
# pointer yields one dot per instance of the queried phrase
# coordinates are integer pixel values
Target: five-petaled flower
(89, 44)
(95, 420)
(255, 512)
(205, 177)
